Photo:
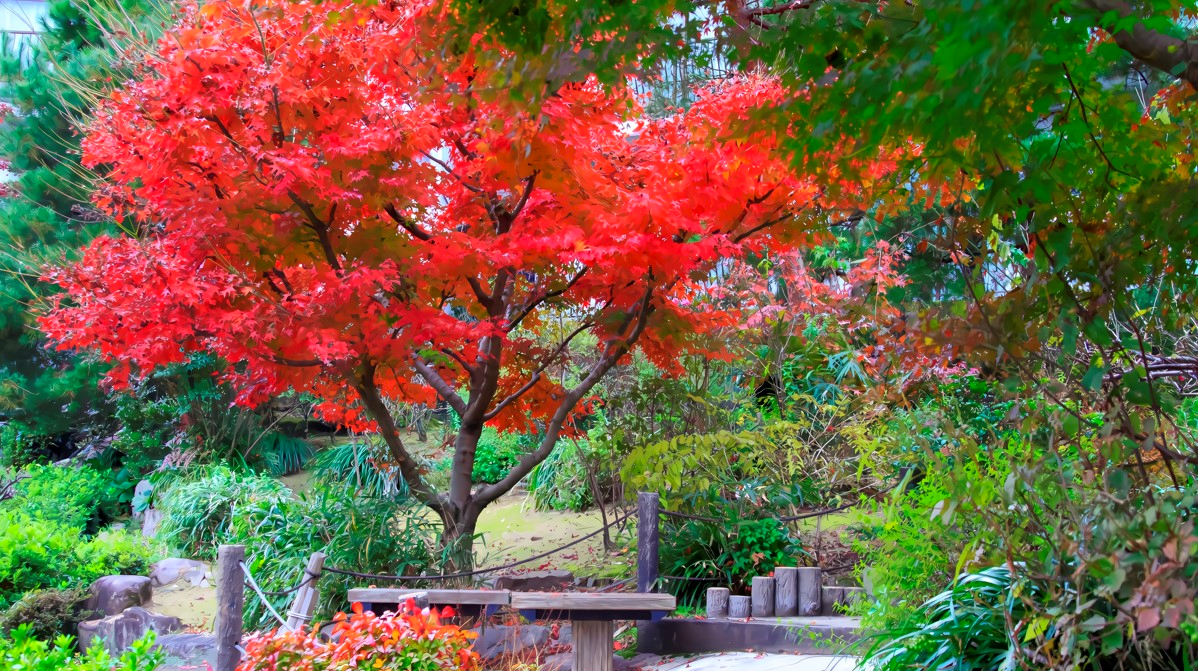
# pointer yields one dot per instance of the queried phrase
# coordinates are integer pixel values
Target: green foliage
(360, 465)
(284, 454)
(908, 553)
(356, 532)
(48, 613)
(21, 651)
(560, 482)
(48, 213)
(198, 507)
(963, 628)
(74, 496)
(38, 554)
(497, 454)
(20, 448)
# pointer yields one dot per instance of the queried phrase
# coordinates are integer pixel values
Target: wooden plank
(230, 605)
(592, 642)
(591, 601)
(439, 597)
(762, 591)
(717, 602)
(308, 594)
(648, 511)
(786, 591)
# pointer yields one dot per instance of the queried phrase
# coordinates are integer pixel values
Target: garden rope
(265, 602)
(467, 574)
(308, 579)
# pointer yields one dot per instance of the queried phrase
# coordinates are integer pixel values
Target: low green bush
(560, 482)
(48, 613)
(21, 651)
(497, 454)
(359, 533)
(75, 496)
(19, 448)
(362, 466)
(197, 507)
(38, 554)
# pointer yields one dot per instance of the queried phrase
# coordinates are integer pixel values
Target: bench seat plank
(591, 601)
(440, 597)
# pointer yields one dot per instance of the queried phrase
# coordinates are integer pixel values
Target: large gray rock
(118, 632)
(112, 594)
(187, 651)
(565, 662)
(168, 571)
(495, 641)
(150, 521)
(535, 581)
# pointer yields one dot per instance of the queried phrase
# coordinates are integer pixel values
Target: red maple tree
(333, 204)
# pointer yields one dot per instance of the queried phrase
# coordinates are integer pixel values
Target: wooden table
(467, 601)
(592, 616)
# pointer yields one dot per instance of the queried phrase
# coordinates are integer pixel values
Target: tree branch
(439, 384)
(1172, 55)
(409, 226)
(408, 468)
(534, 302)
(321, 227)
(612, 354)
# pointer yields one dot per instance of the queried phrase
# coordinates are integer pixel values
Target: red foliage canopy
(332, 204)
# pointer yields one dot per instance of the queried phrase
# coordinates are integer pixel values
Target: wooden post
(762, 589)
(308, 594)
(648, 508)
(738, 607)
(786, 591)
(717, 602)
(592, 641)
(809, 591)
(230, 605)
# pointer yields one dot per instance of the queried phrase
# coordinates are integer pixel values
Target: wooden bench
(470, 602)
(592, 616)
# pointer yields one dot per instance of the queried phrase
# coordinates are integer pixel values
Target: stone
(495, 641)
(150, 521)
(168, 571)
(118, 632)
(565, 662)
(112, 594)
(187, 651)
(536, 581)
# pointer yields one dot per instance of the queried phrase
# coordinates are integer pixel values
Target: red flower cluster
(413, 640)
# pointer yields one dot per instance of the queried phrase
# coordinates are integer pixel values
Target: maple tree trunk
(457, 538)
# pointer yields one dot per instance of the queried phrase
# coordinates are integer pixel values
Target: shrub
(23, 651)
(48, 613)
(20, 448)
(361, 465)
(964, 627)
(497, 454)
(75, 496)
(38, 554)
(560, 482)
(198, 507)
(359, 533)
(411, 641)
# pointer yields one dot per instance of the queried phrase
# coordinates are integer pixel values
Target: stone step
(807, 635)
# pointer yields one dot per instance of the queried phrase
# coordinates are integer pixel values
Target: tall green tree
(45, 213)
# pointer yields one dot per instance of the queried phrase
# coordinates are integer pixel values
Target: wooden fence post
(230, 605)
(308, 594)
(648, 508)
